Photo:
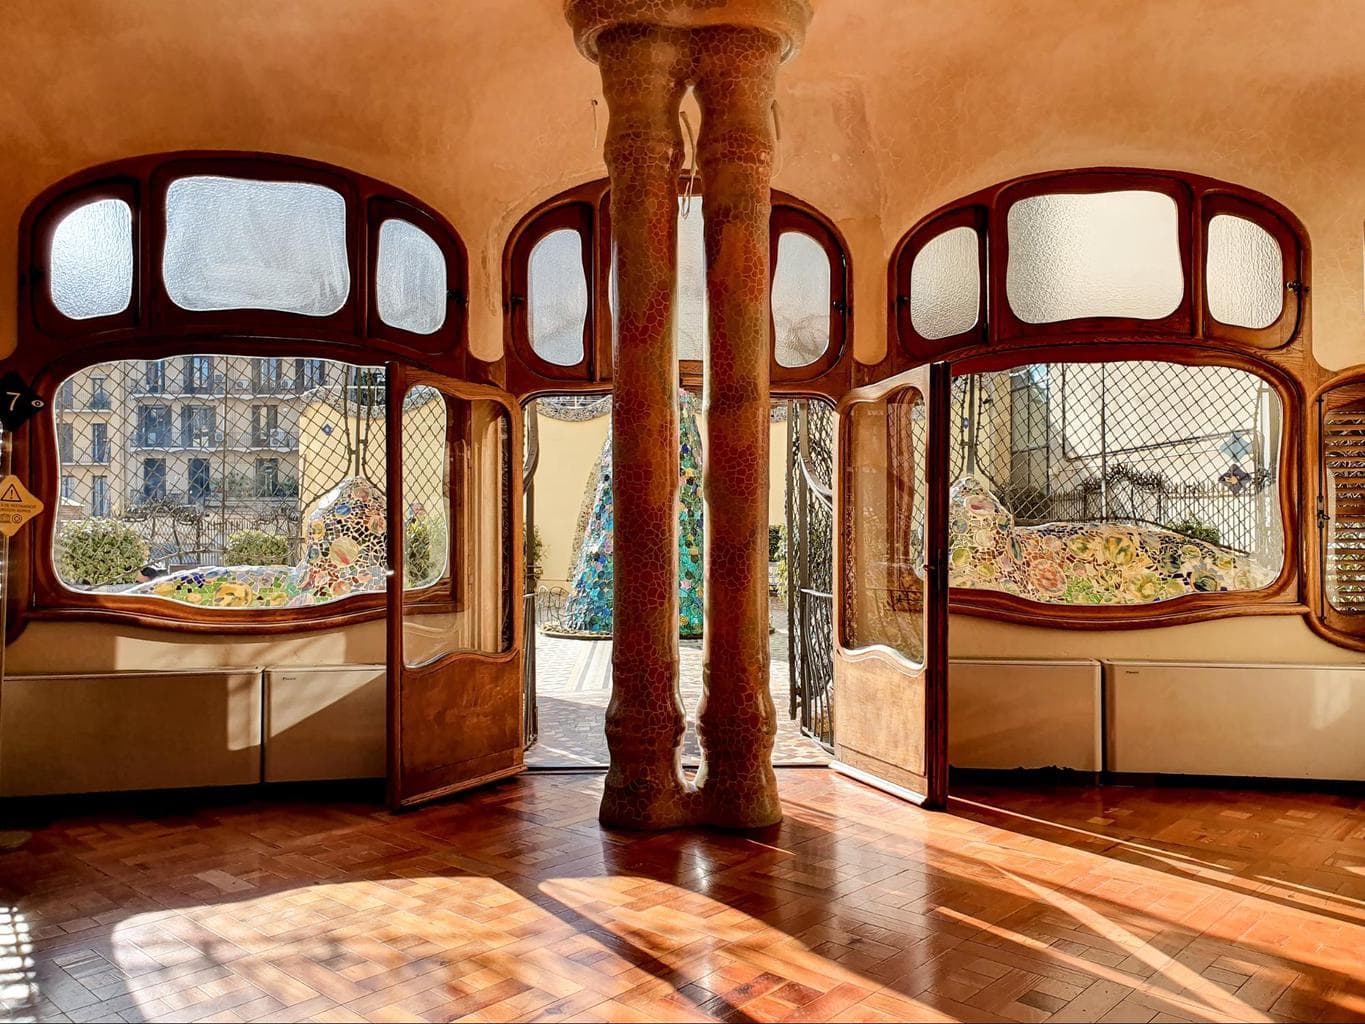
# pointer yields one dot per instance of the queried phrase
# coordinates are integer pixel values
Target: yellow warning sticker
(17, 505)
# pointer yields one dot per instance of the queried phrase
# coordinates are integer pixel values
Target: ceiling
(484, 107)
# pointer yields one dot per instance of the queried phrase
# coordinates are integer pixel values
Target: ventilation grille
(1343, 443)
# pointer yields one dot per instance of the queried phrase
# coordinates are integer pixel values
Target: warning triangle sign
(17, 505)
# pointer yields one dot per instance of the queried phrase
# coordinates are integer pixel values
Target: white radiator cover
(1006, 713)
(327, 722)
(1263, 721)
(129, 731)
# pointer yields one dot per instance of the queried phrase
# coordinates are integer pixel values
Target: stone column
(736, 77)
(648, 52)
(645, 71)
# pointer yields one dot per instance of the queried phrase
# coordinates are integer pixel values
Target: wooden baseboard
(1070, 777)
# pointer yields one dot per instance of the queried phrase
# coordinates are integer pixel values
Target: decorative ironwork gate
(809, 557)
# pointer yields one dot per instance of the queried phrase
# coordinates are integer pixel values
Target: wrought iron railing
(809, 558)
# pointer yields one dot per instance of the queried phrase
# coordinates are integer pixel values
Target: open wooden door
(891, 586)
(454, 642)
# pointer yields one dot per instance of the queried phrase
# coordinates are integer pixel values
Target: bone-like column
(735, 79)
(644, 73)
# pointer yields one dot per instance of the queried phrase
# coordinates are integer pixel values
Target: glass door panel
(455, 695)
(890, 689)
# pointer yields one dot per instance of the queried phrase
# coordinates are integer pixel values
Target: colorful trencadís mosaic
(1083, 563)
(345, 538)
(588, 610)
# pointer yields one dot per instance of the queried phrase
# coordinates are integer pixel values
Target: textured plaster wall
(483, 108)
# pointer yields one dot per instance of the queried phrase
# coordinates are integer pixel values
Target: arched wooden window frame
(51, 347)
(587, 209)
(1279, 353)
(1197, 201)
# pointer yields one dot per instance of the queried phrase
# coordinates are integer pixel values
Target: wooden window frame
(1282, 596)
(52, 347)
(1281, 353)
(1198, 199)
(587, 208)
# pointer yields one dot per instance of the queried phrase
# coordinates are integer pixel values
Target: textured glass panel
(557, 299)
(945, 284)
(1117, 483)
(91, 269)
(801, 300)
(1109, 254)
(884, 488)
(235, 243)
(410, 281)
(690, 324)
(1245, 273)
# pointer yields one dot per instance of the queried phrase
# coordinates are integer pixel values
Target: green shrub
(777, 536)
(534, 558)
(99, 552)
(424, 550)
(1193, 526)
(256, 547)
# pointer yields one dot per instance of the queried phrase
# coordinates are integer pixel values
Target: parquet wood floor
(512, 904)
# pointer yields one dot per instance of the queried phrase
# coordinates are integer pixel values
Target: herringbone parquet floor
(511, 903)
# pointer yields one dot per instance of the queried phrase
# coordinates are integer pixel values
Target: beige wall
(487, 110)
(568, 456)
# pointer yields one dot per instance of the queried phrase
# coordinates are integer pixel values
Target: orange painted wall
(483, 108)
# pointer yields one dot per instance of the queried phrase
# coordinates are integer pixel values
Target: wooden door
(455, 579)
(891, 586)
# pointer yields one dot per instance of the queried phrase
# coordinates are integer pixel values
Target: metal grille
(1192, 449)
(810, 565)
(1343, 447)
(176, 464)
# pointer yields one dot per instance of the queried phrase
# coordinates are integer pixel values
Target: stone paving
(573, 684)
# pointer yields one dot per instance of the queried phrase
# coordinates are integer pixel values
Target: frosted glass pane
(801, 300)
(945, 284)
(557, 297)
(1109, 254)
(410, 281)
(91, 266)
(690, 324)
(1245, 273)
(236, 243)
(691, 308)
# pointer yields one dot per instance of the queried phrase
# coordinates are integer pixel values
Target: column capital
(785, 19)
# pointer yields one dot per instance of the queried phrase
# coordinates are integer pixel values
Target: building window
(1119, 483)
(154, 377)
(99, 393)
(265, 426)
(199, 375)
(250, 505)
(153, 479)
(99, 444)
(200, 480)
(267, 478)
(198, 426)
(267, 376)
(154, 426)
(66, 443)
(99, 496)
(310, 373)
